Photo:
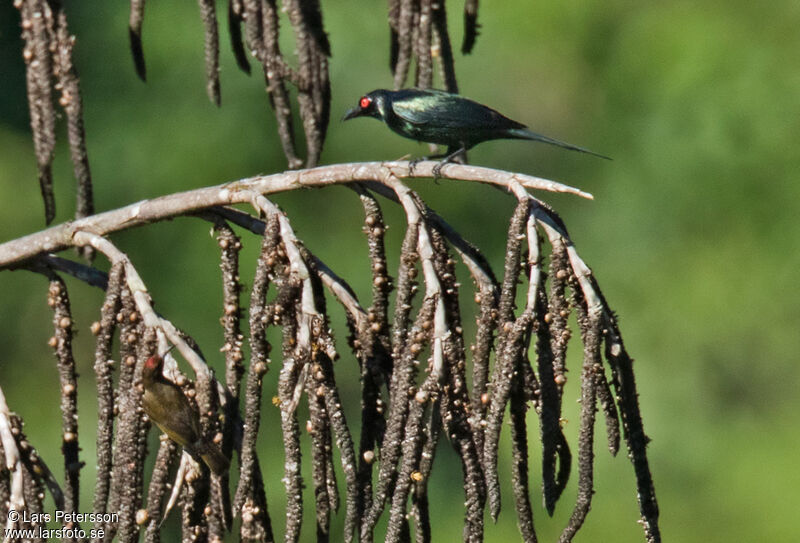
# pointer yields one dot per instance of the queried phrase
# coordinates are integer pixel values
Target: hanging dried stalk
(48, 55)
(104, 330)
(61, 342)
(418, 31)
(413, 368)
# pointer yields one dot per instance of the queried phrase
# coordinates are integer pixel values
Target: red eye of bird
(365, 102)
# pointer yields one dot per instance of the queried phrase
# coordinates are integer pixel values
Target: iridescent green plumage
(443, 118)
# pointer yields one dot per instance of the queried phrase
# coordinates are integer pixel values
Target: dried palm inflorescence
(419, 381)
(415, 370)
(49, 69)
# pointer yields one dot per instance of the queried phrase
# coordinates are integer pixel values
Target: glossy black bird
(443, 118)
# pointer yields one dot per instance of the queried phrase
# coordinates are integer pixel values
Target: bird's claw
(413, 164)
(437, 170)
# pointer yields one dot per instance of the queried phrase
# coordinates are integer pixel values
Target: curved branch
(61, 237)
(142, 299)
(13, 461)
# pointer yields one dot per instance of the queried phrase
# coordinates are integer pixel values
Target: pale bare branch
(60, 237)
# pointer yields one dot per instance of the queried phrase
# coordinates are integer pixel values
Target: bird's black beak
(352, 113)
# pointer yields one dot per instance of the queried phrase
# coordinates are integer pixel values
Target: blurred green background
(692, 234)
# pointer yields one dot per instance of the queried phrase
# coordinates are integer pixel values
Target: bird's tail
(212, 457)
(525, 134)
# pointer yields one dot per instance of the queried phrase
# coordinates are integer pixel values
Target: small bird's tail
(525, 134)
(212, 457)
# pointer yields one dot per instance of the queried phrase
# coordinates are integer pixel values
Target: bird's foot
(413, 164)
(437, 170)
(451, 156)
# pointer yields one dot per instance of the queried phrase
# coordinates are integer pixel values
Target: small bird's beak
(352, 113)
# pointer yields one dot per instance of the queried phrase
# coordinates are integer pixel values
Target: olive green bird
(167, 406)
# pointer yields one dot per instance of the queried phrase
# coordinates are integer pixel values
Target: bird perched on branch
(443, 118)
(167, 406)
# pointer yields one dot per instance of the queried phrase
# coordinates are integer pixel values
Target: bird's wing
(167, 406)
(449, 111)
